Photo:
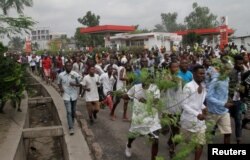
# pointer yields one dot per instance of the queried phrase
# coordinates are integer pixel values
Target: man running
(108, 80)
(143, 122)
(194, 111)
(120, 86)
(68, 81)
(90, 85)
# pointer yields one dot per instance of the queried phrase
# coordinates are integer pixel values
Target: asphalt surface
(112, 137)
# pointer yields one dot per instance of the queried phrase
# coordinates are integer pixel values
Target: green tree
(139, 30)
(14, 25)
(2, 48)
(82, 40)
(90, 19)
(16, 43)
(12, 73)
(11, 25)
(169, 23)
(6, 5)
(55, 46)
(160, 28)
(201, 17)
(191, 39)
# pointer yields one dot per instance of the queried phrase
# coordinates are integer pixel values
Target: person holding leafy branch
(194, 113)
(235, 92)
(172, 100)
(145, 120)
(217, 100)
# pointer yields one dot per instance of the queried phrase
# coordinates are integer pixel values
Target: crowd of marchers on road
(206, 91)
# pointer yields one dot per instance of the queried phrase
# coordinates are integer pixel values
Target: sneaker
(128, 151)
(71, 131)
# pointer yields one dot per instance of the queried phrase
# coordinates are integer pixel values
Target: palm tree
(16, 43)
(5, 5)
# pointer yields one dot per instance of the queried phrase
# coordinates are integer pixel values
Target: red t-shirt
(59, 63)
(46, 63)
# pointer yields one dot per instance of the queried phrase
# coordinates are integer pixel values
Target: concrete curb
(89, 136)
(87, 132)
(77, 145)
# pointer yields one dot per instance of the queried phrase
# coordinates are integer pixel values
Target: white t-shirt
(38, 59)
(217, 53)
(33, 62)
(63, 60)
(99, 69)
(124, 60)
(107, 82)
(114, 67)
(78, 67)
(41, 63)
(90, 82)
(120, 84)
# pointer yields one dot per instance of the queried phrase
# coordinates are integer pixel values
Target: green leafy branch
(11, 25)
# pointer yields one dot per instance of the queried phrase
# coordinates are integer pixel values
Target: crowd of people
(212, 86)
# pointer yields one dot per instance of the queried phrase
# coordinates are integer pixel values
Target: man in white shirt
(33, 63)
(90, 85)
(194, 111)
(121, 87)
(111, 63)
(98, 67)
(68, 81)
(78, 67)
(38, 57)
(108, 80)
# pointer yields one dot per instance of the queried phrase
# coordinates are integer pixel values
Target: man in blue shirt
(217, 102)
(68, 81)
(185, 75)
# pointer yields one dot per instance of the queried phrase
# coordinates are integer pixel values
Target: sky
(61, 15)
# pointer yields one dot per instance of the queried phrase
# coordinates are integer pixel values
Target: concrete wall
(21, 152)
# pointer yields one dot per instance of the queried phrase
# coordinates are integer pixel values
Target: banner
(223, 36)
(28, 48)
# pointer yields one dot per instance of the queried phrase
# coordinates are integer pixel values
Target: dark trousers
(236, 113)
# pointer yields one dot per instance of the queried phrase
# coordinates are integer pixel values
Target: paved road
(112, 136)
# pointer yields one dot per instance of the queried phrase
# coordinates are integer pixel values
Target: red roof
(205, 31)
(107, 28)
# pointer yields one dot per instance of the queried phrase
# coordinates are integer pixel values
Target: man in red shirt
(47, 68)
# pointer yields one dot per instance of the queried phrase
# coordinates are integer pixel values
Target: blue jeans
(236, 113)
(71, 109)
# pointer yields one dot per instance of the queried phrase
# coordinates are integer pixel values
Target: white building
(242, 40)
(147, 40)
(43, 35)
(57, 36)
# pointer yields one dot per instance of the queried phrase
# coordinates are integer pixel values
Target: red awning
(205, 31)
(107, 29)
